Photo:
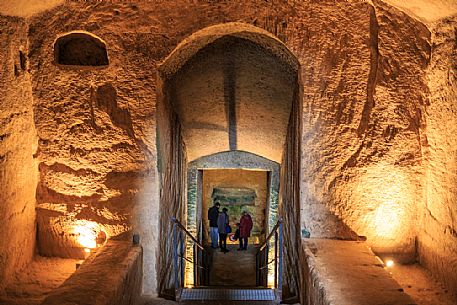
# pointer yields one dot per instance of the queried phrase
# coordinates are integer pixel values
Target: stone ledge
(339, 272)
(110, 276)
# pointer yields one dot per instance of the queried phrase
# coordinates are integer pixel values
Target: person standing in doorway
(245, 230)
(222, 225)
(213, 214)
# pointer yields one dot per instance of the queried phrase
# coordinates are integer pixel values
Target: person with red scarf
(245, 230)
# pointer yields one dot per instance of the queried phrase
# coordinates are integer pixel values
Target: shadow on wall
(106, 100)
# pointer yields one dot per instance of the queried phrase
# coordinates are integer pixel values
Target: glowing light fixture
(271, 278)
(89, 235)
(386, 193)
(389, 263)
(86, 236)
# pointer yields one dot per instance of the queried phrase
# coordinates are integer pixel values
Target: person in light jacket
(222, 224)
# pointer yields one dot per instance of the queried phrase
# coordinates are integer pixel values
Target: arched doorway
(228, 89)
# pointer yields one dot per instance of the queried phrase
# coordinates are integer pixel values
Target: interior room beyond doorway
(237, 190)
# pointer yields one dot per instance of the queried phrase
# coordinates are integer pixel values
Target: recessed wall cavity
(80, 49)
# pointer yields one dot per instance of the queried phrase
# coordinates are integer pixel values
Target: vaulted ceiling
(234, 95)
(425, 10)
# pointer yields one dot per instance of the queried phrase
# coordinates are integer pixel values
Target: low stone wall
(110, 276)
(346, 273)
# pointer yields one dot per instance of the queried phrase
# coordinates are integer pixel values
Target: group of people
(219, 225)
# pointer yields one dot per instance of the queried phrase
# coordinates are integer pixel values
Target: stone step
(235, 269)
(228, 294)
(347, 273)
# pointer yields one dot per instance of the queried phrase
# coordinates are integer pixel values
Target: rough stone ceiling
(26, 8)
(234, 95)
(198, 40)
(425, 10)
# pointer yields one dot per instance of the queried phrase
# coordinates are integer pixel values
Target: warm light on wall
(271, 267)
(85, 237)
(189, 268)
(189, 279)
(86, 233)
(382, 205)
(388, 218)
(389, 263)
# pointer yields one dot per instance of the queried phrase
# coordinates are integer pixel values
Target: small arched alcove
(80, 49)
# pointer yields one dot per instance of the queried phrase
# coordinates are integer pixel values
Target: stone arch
(168, 95)
(282, 65)
(80, 49)
(198, 40)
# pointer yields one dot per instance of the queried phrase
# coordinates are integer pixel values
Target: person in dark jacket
(213, 214)
(222, 224)
(245, 230)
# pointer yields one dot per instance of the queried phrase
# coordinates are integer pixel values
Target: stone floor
(420, 285)
(235, 268)
(37, 280)
(348, 273)
(340, 267)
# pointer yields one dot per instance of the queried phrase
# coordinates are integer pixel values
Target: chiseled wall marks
(437, 236)
(362, 77)
(18, 143)
(289, 203)
(235, 94)
(172, 164)
(361, 156)
(92, 166)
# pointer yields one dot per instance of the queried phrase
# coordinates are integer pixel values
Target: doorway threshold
(228, 294)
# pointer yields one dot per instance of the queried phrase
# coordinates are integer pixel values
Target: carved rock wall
(97, 136)
(234, 95)
(289, 203)
(18, 142)
(437, 237)
(172, 164)
(362, 83)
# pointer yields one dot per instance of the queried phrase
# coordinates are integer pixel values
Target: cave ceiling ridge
(427, 11)
(203, 37)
